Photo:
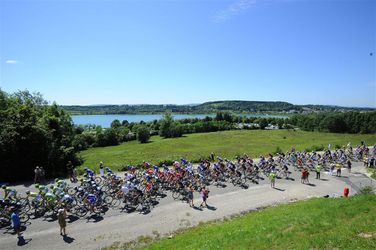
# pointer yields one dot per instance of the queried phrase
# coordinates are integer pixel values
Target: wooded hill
(204, 108)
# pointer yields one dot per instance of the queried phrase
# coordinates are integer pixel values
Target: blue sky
(180, 51)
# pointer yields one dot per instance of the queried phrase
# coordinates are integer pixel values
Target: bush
(143, 134)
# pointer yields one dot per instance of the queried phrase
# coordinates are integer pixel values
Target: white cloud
(233, 10)
(11, 61)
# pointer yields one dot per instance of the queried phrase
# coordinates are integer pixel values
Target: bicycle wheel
(98, 180)
(24, 218)
(81, 211)
(108, 200)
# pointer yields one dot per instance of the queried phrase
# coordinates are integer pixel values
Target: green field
(313, 224)
(225, 143)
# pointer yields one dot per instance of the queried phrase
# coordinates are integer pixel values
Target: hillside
(235, 106)
(245, 106)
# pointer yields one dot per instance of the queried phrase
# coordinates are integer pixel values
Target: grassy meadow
(225, 143)
(313, 224)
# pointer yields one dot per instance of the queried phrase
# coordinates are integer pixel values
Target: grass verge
(313, 224)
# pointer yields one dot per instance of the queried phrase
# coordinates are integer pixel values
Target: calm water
(105, 120)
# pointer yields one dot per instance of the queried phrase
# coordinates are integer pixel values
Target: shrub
(143, 134)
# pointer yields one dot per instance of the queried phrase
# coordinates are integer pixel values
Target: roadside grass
(319, 223)
(225, 144)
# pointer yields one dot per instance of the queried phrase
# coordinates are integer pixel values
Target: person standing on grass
(272, 177)
(318, 169)
(204, 196)
(62, 215)
(101, 169)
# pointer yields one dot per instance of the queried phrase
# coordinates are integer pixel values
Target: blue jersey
(15, 220)
(89, 172)
(92, 198)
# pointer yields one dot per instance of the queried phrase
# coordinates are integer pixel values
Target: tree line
(335, 122)
(33, 133)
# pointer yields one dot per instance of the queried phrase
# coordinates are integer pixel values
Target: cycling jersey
(50, 197)
(92, 198)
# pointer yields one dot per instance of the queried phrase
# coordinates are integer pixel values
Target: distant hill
(245, 106)
(204, 108)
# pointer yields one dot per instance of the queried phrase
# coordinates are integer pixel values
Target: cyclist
(9, 193)
(36, 198)
(89, 172)
(91, 200)
(42, 189)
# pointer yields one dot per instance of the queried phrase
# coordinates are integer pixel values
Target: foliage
(33, 133)
(322, 223)
(204, 108)
(348, 122)
(143, 134)
(168, 128)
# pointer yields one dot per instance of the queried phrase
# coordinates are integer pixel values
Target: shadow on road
(197, 208)
(22, 241)
(96, 218)
(68, 239)
(280, 189)
(211, 208)
(323, 179)
(72, 218)
(311, 184)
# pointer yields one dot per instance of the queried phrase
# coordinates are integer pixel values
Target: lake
(105, 120)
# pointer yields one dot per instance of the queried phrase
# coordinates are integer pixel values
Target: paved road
(170, 215)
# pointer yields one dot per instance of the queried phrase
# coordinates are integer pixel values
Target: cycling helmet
(3, 186)
(37, 185)
(52, 186)
(56, 180)
(86, 194)
(27, 191)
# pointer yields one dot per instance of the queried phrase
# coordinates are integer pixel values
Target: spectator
(101, 170)
(338, 166)
(62, 215)
(204, 195)
(16, 223)
(318, 169)
(37, 173)
(69, 167)
(42, 175)
(349, 165)
(272, 177)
